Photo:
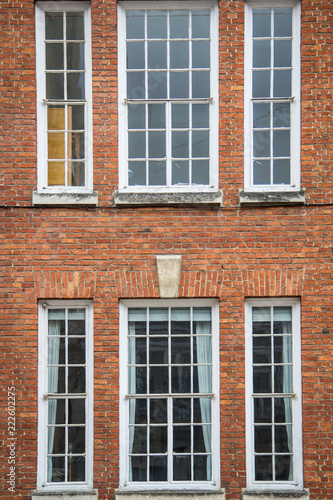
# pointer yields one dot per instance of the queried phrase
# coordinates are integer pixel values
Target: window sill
(57, 199)
(275, 495)
(65, 495)
(272, 198)
(167, 199)
(170, 495)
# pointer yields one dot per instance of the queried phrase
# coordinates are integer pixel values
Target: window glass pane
(180, 172)
(56, 145)
(136, 116)
(56, 469)
(202, 410)
(158, 321)
(262, 410)
(138, 411)
(76, 469)
(158, 439)
(157, 85)
(76, 174)
(281, 143)
(157, 24)
(158, 380)
(283, 439)
(137, 173)
(76, 411)
(200, 24)
(76, 439)
(135, 55)
(283, 468)
(181, 410)
(262, 379)
(281, 171)
(54, 57)
(76, 351)
(136, 85)
(283, 379)
(283, 22)
(261, 143)
(54, 26)
(282, 53)
(158, 350)
(261, 83)
(157, 173)
(135, 22)
(56, 411)
(75, 117)
(202, 436)
(140, 440)
(200, 144)
(261, 115)
(261, 317)
(75, 86)
(200, 84)
(181, 379)
(182, 468)
(261, 53)
(262, 349)
(261, 172)
(139, 468)
(75, 143)
(180, 350)
(263, 439)
(75, 55)
(136, 144)
(54, 86)
(139, 374)
(281, 114)
(180, 321)
(201, 54)
(158, 411)
(179, 54)
(181, 439)
(263, 468)
(179, 84)
(56, 440)
(202, 467)
(75, 26)
(56, 118)
(283, 349)
(55, 173)
(156, 116)
(261, 22)
(158, 468)
(200, 115)
(180, 144)
(156, 144)
(200, 172)
(282, 83)
(179, 20)
(282, 410)
(180, 115)
(157, 55)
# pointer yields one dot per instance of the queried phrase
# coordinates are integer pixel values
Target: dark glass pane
(180, 321)
(156, 116)
(156, 144)
(262, 379)
(261, 143)
(200, 24)
(56, 467)
(157, 173)
(261, 22)
(75, 26)
(199, 443)
(283, 468)
(54, 86)
(281, 114)
(202, 343)
(181, 410)
(141, 380)
(283, 22)
(263, 439)
(200, 115)
(56, 440)
(197, 386)
(75, 56)
(135, 55)
(200, 84)
(202, 468)
(180, 172)
(261, 53)
(261, 83)
(200, 172)
(179, 54)
(158, 324)
(200, 144)
(158, 380)
(261, 175)
(54, 58)
(56, 380)
(158, 411)
(139, 411)
(76, 379)
(75, 86)
(76, 411)
(56, 411)
(282, 53)
(281, 171)
(140, 440)
(281, 143)
(263, 468)
(136, 116)
(181, 379)
(157, 24)
(283, 439)
(158, 350)
(201, 54)
(76, 351)
(182, 468)
(56, 351)
(139, 468)
(180, 115)
(76, 468)
(76, 321)
(182, 439)
(76, 122)
(75, 142)
(202, 410)
(137, 173)
(179, 21)
(283, 410)
(180, 144)
(54, 26)
(158, 439)
(261, 320)
(135, 22)
(262, 350)
(136, 144)
(282, 349)
(136, 85)
(140, 350)
(157, 55)
(261, 115)
(157, 84)
(179, 84)
(76, 173)
(282, 83)
(262, 410)
(283, 379)
(76, 439)
(180, 350)
(158, 468)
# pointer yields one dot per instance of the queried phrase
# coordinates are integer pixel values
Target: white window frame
(295, 139)
(42, 186)
(123, 6)
(212, 485)
(297, 482)
(43, 307)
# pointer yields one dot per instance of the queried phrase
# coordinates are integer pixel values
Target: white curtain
(204, 358)
(53, 359)
(131, 387)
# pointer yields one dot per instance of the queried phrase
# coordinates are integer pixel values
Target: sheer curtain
(53, 359)
(204, 356)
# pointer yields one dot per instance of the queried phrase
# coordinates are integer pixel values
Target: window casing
(64, 111)
(65, 421)
(273, 394)
(169, 395)
(272, 96)
(168, 96)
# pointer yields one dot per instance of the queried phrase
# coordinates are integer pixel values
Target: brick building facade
(167, 204)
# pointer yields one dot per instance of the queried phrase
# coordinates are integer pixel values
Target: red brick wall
(108, 253)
